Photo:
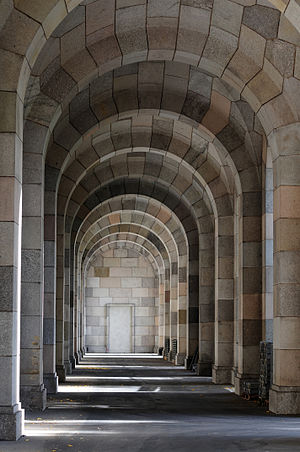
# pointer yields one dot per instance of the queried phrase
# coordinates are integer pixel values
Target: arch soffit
(191, 227)
(133, 237)
(120, 244)
(143, 205)
(135, 219)
(155, 232)
(289, 12)
(185, 144)
(141, 232)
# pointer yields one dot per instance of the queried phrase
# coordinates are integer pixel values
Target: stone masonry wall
(121, 276)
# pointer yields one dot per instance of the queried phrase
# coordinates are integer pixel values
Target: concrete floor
(145, 404)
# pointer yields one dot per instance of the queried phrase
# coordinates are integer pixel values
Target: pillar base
(11, 422)
(239, 380)
(221, 375)
(34, 397)
(187, 361)
(77, 357)
(68, 367)
(61, 372)
(233, 375)
(204, 369)
(284, 399)
(51, 383)
(179, 359)
(73, 362)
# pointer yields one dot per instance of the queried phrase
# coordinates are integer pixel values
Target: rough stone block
(11, 423)
(193, 29)
(102, 272)
(263, 20)
(130, 29)
(227, 16)
(99, 15)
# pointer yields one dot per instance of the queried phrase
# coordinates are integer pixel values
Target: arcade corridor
(149, 205)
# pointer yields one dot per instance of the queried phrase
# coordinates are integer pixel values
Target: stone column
(33, 392)
(67, 312)
(81, 318)
(182, 316)
(161, 342)
(250, 287)
(78, 350)
(73, 320)
(69, 359)
(193, 303)
(285, 392)
(267, 235)
(167, 310)
(49, 324)
(60, 366)
(206, 299)
(11, 414)
(173, 306)
(237, 278)
(224, 296)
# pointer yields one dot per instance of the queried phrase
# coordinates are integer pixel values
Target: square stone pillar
(224, 301)
(250, 290)
(181, 317)
(33, 393)
(11, 414)
(60, 315)
(49, 321)
(206, 299)
(285, 392)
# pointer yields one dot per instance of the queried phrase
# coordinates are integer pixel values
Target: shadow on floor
(143, 403)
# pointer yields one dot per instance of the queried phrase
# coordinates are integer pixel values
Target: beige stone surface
(8, 112)
(248, 60)
(297, 64)
(287, 202)
(18, 32)
(99, 15)
(193, 29)
(287, 31)
(218, 115)
(286, 367)
(266, 85)
(227, 15)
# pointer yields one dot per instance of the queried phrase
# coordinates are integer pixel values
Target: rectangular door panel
(119, 329)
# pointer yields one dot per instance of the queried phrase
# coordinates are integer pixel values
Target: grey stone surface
(169, 8)
(33, 397)
(72, 20)
(31, 265)
(264, 21)
(8, 277)
(11, 423)
(129, 27)
(81, 115)
(56, 83)
(51, 383)
(48, 331)
(285, 400)
(195, 106)
(206, 4)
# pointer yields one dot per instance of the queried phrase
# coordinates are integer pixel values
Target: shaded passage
(142, 403)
